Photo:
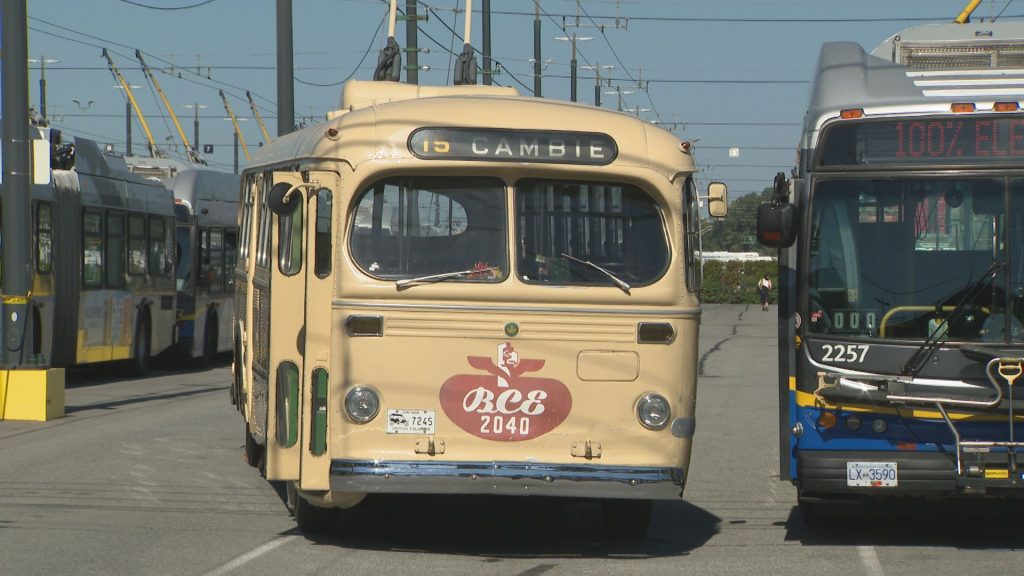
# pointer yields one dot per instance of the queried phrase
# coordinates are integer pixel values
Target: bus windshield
(894, 257)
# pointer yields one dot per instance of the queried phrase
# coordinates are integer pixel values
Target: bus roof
(382, 115)
(920, 70)
(210, 195)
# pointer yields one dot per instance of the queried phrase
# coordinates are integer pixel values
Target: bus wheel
(253, 451)
(210, 339)
(309, 518)
(627, 518)
(141, 347)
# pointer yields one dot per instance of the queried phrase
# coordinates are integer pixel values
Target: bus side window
(230, 258)
(115, 249)
(136, 245)
(322, 249)
(44, 238)
(92, 249)
(157, 246)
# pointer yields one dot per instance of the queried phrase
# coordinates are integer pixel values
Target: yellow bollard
(36, 394)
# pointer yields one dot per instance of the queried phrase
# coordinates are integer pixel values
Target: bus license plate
(871, 474)
(403, 421)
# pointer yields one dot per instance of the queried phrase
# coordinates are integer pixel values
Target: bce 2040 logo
(503, 404)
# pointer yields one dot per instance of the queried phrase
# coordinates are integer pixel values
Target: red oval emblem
(503, 405)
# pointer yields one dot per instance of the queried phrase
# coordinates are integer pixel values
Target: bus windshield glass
(894, 257)
(415, 227)
(579, 232)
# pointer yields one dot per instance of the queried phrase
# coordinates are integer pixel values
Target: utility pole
(195, 122)
(572, 63)
(412, 70)
(17, 170)
(597, 80)
(42, 61)
(485, 6)
(536, 51)
(128, 128)
(285, 69)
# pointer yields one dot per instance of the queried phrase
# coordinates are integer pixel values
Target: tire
(253, 452)
(210, 337)
(309, 518)
(142, 347)
(627, 519)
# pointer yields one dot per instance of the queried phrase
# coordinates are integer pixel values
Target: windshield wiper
(442, 277)
(924, 353)
(618, 281)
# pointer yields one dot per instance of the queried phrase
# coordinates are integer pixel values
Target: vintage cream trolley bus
(459, 290)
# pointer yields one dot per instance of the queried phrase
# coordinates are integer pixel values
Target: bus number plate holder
(872, 474)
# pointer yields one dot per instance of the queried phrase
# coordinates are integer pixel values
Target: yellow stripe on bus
(807, 399)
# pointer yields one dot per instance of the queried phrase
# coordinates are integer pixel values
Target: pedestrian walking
(764, 288)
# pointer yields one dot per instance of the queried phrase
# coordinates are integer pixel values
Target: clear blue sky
(731, 73)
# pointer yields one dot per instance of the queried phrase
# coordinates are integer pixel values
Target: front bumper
(507, 479)
(823, 473)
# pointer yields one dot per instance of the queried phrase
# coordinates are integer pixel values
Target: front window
(562, 225)
(894, 257)
(415, 227)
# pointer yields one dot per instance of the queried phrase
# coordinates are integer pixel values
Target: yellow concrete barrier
(32, 394)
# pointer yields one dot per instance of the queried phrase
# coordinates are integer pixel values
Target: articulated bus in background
(206, 237)
(457, 290)
(102, 273)
(206, 217)
(902, 271)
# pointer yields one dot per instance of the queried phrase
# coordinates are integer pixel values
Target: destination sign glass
(946, 141)
(589, 148)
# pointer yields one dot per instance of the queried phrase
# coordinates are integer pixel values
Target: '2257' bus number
(844, 352)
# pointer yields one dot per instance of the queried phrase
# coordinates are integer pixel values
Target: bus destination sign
(953, 140)
(590, 148)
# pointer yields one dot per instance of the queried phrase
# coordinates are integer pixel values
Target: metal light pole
(195, 123)
(572, 63)
(42, 61)
(17, 170)
(597, 80)
(285, 70)
(536, 52)
(128, 119)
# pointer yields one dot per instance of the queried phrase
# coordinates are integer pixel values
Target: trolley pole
(285, 69)
(17, 170)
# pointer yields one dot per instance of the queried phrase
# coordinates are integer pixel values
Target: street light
(128, 118)
(572, 63)
(597, 80)
(196, 107)
(619, 92)
(42, 61)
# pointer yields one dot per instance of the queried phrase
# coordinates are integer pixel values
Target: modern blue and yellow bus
(902, 271)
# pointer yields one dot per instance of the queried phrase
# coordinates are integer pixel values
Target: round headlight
(853, 422)
(653, 411)
(362, 404)
(879, 426)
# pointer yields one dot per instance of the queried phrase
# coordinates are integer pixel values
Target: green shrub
(735, 281)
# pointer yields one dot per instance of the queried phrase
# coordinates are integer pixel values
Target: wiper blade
(618, 281)
(405, 282)
(924, 352)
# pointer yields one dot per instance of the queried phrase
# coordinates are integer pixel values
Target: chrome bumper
(507, 479)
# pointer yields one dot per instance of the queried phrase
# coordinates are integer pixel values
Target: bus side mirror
(281, 199)
(718, 199)
(776, 219)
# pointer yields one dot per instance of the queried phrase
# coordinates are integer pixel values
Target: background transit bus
(902, 271)
(457, 290)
